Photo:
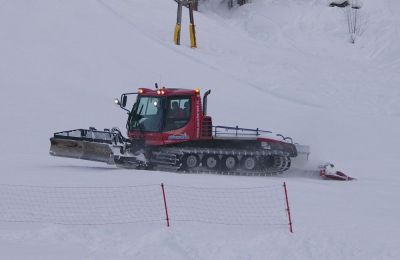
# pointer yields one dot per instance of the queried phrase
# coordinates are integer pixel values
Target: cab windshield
(158, 114)
(147, 115)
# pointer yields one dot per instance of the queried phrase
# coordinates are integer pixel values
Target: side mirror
(124, 100)
(121, 103)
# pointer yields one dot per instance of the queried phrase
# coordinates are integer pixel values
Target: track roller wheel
(190, 161)
(211, 161)
(249, 163)
(229, 163)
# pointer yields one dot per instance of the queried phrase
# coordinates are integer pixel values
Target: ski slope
(285, 66)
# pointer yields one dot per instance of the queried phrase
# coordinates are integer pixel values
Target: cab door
(179, 124)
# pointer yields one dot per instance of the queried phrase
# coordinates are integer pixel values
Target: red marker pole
(288, 208)
(165, 204)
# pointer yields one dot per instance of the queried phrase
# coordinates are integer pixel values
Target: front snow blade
(87, 144)
(79, 149)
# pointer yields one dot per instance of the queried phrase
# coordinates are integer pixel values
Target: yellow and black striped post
(177, 32)
(192, 30)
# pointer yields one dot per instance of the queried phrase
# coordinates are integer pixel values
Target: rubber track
(173, 163)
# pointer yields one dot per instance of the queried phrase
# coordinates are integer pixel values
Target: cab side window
(178, 113)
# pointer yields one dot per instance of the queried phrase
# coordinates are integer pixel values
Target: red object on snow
(327, 172)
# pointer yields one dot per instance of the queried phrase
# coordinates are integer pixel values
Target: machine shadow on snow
(84, 167)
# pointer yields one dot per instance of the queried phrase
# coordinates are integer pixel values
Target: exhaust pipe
(205, 102)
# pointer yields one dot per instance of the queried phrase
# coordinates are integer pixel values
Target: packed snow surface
(285, 66)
